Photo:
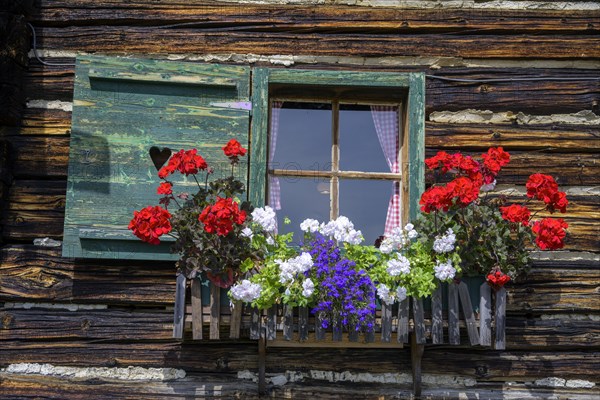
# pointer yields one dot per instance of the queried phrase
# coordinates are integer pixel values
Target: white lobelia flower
(246, 291)
(445, 243)
(444, 271)
(401, 293)
(308, 288)
(398, 265)
(309, 225)
(266, 218)
(384, 294)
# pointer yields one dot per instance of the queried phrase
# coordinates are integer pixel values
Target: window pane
(303, 137)
(302, 198)
(366, 202)
(360, 149)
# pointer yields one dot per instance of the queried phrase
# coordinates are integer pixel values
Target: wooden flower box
(410, 321)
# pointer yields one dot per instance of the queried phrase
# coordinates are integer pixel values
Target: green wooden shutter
(122, 108)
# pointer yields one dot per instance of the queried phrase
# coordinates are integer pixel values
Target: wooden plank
(179, 310)
(196, 292)
(492, 365)
(288, 322)
(332, 17)
(303, 323)
(467, 307)
(386, 323)
(271, 325)
(319, 330)
(437, 321)
(403, 321)
(370, 336)
(352, 334)
(500, 319)
(259, 140)
(236, 320)
(337, 329)
(144, 40)
(416, 356)
(453, 314)
(255, 325)
(485, 314)
(215, 307)
(419, 320)
(415, 119)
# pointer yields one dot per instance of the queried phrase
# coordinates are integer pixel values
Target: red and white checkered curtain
(386, 126)
(274, 187)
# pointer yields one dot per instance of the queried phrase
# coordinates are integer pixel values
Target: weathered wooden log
(482, 365)
(536, 97)
(43, 121)
(307, 18)
(151, 40)
(39, 156)
(478, 137)
(14, 45)
(35, 274)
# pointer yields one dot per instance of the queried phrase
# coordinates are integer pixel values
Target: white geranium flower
(386, 246)
(308, 288)
(444, 271)
(398, 265)
(266, 218)
(247, 232)
(309, 225)
(289, 269)
(445, 243)
(270, 241)
(354, 237)
(384, 294)
(245, 291)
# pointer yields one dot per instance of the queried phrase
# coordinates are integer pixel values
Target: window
(338, 156)
(124, 107)
(339, 143)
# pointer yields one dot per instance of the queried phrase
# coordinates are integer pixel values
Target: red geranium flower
(464, 189)
(543, 187)
(220, 217)
(440, 159)
(436, 198)
(150, 223)
(185, 161)
(550, 233)
(497, 279)
(516, 213)
(165, 188)
(558, 201)
(233, 149)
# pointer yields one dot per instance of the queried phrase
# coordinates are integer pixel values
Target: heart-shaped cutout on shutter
(159, 156)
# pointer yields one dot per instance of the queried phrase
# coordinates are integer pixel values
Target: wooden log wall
(113, 313)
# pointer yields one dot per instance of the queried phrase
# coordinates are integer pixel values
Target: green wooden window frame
(413, 84)
(186, 105)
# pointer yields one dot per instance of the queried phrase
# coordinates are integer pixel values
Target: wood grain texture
(306, 18)
(527, 95)
(137, 39)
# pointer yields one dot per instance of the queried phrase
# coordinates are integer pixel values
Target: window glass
(366, 202)
(302, 198)
(359, 146)
(303, 137)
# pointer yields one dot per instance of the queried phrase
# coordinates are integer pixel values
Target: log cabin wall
(59, 311)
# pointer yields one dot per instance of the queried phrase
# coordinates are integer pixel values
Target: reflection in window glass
(302, 198)
(365, 202)
(359, 146)
(303, 137)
